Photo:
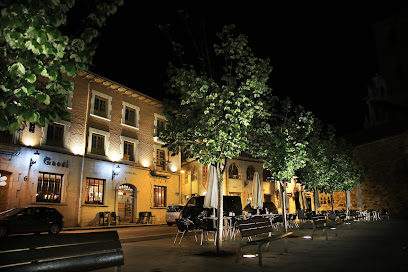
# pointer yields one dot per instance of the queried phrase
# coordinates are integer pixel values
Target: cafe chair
(115, 219)
(184, 225)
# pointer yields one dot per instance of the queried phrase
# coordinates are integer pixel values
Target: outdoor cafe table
(215, 220)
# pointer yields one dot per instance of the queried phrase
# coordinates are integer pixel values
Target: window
(130, 115)
(94, 191)
(97, 141)
(160, 196)
(205, 176)
(101, 105)
(55, 135)
(250, 172)
(161, 159)
(159, 125)
(49, 187)
(128, 150)
(98, 144)
(267, 175)
(233, 172)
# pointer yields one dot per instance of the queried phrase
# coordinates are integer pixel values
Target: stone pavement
(361, 246)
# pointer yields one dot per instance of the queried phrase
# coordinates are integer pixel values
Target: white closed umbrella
(256, 202)
(211, 197)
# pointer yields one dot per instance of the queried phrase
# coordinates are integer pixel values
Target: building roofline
(120, 88)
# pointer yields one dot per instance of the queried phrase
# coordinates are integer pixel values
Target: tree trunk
(331, 196)
(220, 211)
(283, 187)
(316, 200)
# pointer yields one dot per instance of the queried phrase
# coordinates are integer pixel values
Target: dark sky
(322, 52)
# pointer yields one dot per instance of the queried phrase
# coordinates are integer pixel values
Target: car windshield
(10, 212)
(174, 208)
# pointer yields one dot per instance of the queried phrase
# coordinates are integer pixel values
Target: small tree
(213, 112)
(331, 164)
(35, 54)
(280, 138)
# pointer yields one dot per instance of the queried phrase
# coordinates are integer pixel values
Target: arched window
(250, 172)
(267, 175)
(233, 172)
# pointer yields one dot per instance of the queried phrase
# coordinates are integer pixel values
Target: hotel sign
(48, 161)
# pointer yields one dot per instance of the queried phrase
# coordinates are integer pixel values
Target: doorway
(126, 202)
(4, 189)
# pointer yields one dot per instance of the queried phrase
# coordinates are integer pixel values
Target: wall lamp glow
(116, 171)
(34, 159)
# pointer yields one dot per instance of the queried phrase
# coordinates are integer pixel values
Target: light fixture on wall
(34, 159)
(116, 171)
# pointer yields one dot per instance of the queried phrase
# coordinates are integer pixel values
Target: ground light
(250, 255)
(307, 237)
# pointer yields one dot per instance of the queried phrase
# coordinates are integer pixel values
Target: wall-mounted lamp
(116, 171)
(34, 159)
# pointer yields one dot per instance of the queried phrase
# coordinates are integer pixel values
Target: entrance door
(4, 190)
(125, 202)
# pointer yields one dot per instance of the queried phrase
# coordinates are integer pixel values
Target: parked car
(173, 213)
(232, 204)
(30, 219)
(270, 206)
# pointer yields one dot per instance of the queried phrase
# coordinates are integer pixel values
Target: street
(362, 246)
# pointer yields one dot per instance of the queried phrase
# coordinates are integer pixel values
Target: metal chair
(184, 225)
(115, 219)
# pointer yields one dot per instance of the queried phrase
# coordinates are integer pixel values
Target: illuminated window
(250, 172)
(94, 191)
(233, 172)
(55, 135)
(160, 196)
(205, 176)
(160, 159)
(49, 187)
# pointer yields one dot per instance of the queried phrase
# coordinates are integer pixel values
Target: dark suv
(267, 206)
(196, 205)
(30, 219)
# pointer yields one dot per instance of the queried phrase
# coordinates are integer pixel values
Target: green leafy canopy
(35, 54)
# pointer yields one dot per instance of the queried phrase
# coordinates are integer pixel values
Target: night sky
(322, 52)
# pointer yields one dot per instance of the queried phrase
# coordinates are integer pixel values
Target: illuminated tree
(213, 112)
(35, 54)
(280, 138)
(331, 164)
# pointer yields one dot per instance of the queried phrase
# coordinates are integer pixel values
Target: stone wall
(385, 186)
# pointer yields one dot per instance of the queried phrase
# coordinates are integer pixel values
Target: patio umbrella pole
(284, 206)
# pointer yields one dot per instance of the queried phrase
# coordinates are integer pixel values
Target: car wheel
(54, 229)
(169, 224)
(3, 231)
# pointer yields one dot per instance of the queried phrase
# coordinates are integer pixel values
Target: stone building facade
(238, 180)
(111, 128)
